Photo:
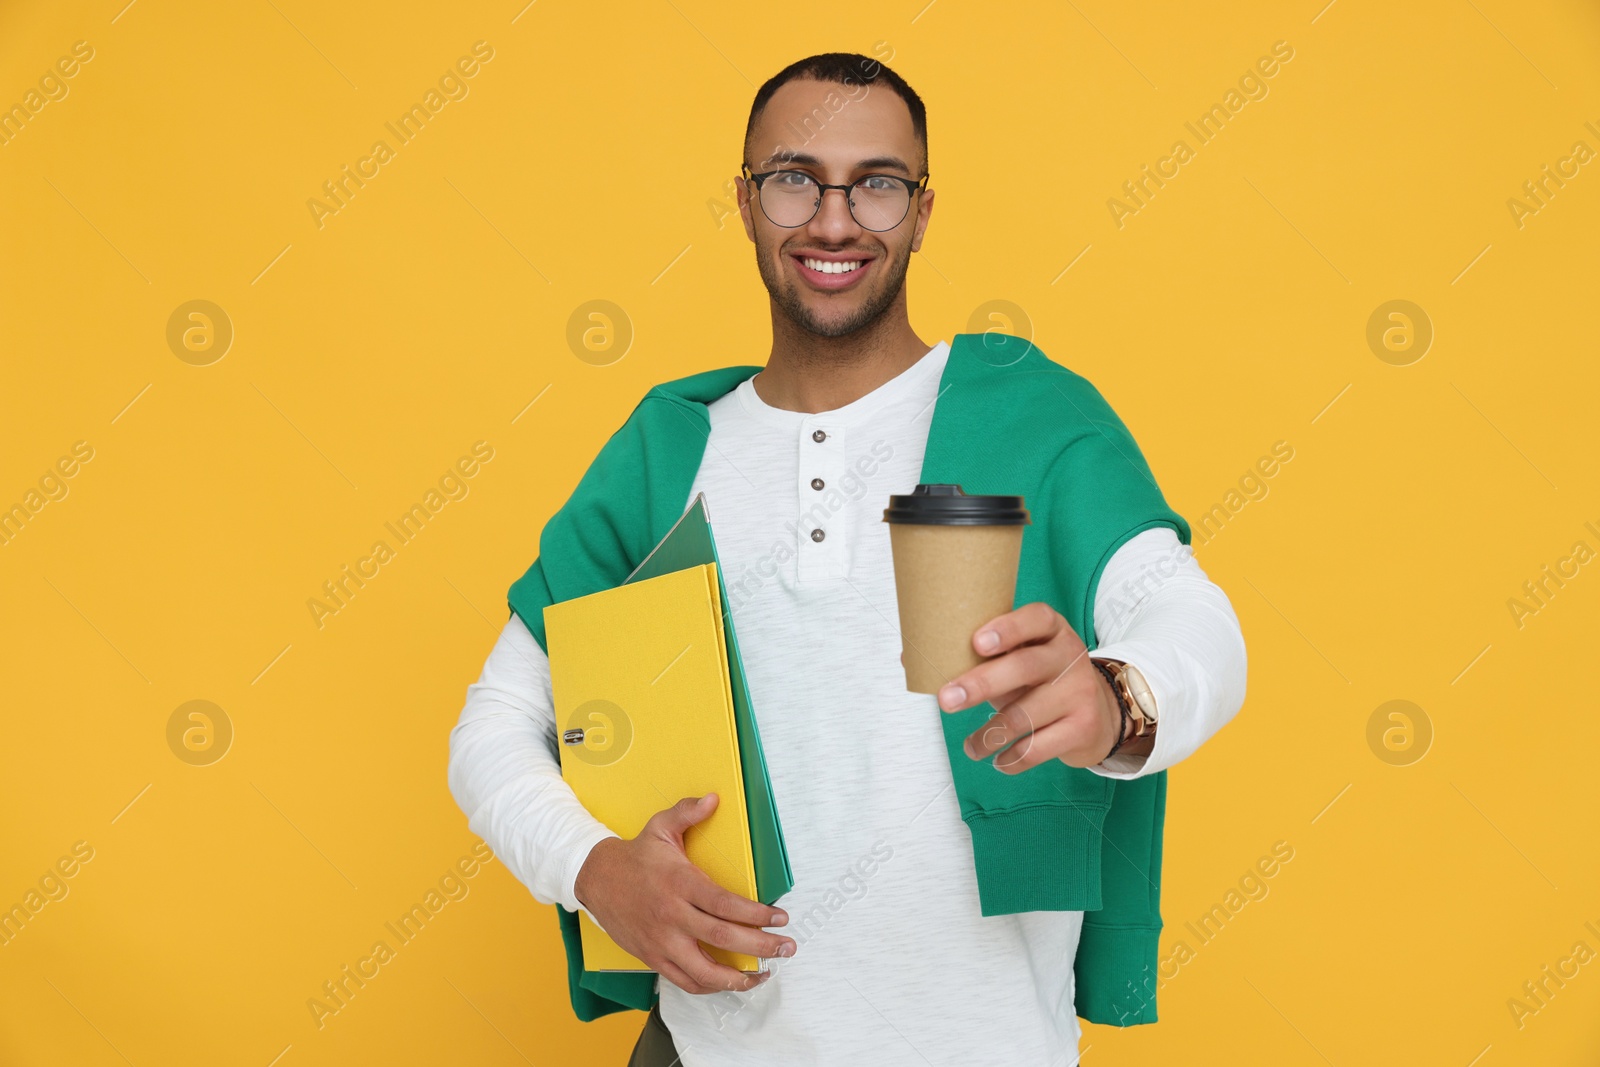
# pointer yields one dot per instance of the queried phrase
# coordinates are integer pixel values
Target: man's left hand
(1050, 699)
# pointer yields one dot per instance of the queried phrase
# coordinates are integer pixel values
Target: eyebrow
(874, 163)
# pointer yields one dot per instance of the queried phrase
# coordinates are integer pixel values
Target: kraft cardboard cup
(955, 568)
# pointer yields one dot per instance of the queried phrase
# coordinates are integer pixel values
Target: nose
(833, 222)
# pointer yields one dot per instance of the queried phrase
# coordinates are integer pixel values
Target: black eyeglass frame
(912, 188)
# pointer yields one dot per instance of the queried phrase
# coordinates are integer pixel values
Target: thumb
(689, 811)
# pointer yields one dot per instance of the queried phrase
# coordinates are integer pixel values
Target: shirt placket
(821, 536)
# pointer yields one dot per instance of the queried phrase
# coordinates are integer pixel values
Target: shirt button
(818, 435)
(817, 535)
(816, 483)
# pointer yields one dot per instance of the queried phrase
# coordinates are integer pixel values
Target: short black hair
(843, 68)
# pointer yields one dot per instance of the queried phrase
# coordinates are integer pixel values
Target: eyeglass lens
(790, 198)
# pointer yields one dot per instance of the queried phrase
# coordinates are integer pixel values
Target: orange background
(588, 161)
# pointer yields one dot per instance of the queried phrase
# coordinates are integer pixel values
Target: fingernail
(988, 640)
(952, 696)
(778, 919)
(786, 949)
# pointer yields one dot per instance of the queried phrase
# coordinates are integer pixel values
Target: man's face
(837, 134)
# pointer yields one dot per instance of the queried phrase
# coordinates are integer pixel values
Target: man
(894, 945)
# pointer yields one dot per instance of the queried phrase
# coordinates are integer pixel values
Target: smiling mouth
(828, 266)
(832, 274)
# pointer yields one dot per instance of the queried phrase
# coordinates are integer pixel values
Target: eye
(790, 179)
(876, 183)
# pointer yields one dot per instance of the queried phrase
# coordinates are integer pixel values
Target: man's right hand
(658, 906)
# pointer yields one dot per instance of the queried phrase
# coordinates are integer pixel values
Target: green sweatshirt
(1009, 421)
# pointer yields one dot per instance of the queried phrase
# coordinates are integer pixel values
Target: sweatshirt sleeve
(506, 775)
(1155, 608)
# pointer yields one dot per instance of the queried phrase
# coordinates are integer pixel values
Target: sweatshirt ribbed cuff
(1124, 961)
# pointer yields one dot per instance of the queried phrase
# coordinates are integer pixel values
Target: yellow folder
(644, 705)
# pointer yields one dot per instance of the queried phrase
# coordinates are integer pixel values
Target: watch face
(1139, 689)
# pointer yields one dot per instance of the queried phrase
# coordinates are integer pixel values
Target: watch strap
(1127, 718)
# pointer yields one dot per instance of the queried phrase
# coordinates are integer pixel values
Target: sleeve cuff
(1127, 765)
(575, 859)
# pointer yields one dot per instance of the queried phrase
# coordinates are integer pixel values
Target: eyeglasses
(792, 198)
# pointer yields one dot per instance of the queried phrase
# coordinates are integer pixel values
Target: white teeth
(830, 267)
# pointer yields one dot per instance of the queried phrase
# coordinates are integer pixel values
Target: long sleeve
(506, 775)
(1155, 609)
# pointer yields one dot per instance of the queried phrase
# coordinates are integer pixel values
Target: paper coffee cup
(955, 568)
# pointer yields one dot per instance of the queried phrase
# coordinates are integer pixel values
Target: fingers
(692, 969)
(736, 937)
(1069, 739)
(1071, 697)
(708, 972)
(674, 974)
(1047, 650)
(1022, 668)
(691, 908)
(1037, 621)
(728, 920)
(1018, 719)
(714, 900)
(680, 978)
(1009, 697)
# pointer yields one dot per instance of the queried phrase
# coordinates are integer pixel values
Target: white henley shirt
(895, 964)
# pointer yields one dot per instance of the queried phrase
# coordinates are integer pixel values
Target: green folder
(689, 544)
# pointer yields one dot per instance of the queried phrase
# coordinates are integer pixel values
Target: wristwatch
(1136, 691)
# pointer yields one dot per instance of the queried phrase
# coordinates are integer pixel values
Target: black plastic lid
(947, 505)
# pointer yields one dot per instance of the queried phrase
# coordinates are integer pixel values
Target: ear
(924, 213)
(743, 189)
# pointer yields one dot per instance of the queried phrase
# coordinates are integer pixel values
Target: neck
(810, 373)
